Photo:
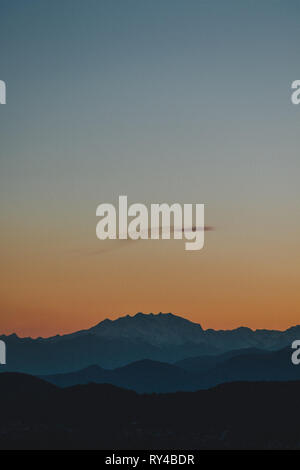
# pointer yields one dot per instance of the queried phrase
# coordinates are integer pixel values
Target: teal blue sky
(157, 100)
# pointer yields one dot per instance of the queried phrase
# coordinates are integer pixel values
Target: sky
(162, 101)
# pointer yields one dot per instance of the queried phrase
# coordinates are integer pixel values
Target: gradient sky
(164, 101)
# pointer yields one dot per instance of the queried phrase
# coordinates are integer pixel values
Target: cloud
(120, 243)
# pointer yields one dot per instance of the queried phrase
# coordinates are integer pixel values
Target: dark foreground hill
(35, 414)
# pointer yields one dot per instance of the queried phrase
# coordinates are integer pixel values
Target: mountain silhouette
(145, 376)
(204, 363)
(256, 415)
(257, 366)
(193, 374)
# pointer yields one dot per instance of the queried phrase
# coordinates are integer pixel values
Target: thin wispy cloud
(122, 243)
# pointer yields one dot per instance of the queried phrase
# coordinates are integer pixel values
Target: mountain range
(112, 344)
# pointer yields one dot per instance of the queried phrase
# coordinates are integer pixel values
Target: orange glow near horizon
(44, 293)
